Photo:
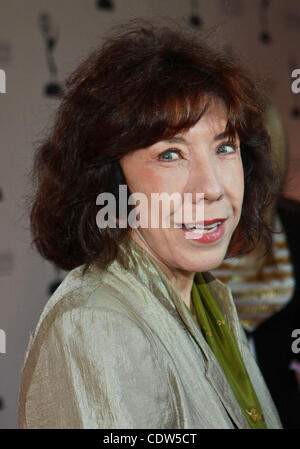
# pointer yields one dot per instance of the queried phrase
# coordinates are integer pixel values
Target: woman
(140, 334)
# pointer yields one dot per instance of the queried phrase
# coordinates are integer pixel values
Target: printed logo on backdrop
(50, 33)
(108, 5)
(265, 35)
(195, 19)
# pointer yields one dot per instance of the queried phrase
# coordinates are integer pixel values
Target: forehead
(213, 121)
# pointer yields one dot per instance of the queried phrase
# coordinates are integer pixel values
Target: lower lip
(207, 237)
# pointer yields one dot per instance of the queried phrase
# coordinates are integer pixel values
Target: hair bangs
(162, 118)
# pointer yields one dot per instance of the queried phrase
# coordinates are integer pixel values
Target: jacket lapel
(214, 372)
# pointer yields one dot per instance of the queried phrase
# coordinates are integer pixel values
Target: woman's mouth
(207, 232)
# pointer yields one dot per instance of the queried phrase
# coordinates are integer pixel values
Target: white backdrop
(26, 113)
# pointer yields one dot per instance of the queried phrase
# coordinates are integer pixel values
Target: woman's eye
(169, 155)
(227, 148)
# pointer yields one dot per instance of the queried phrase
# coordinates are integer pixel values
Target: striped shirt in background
(260, 287)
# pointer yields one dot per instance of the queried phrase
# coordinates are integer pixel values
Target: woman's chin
(208, 262)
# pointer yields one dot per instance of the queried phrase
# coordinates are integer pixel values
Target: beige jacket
(118, 349)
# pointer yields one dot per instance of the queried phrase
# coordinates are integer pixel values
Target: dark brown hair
(145, 84)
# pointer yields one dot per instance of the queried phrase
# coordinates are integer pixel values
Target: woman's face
(198, 161)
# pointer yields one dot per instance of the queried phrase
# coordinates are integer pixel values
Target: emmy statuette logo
(50, 34)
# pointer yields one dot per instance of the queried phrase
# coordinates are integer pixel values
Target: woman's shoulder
(82, 297)
(86, 332)
(77, 290)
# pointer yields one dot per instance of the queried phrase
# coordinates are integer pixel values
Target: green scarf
(222, 342)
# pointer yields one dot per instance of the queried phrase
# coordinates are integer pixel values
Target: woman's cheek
(168, 180)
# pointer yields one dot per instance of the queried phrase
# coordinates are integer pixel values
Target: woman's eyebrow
(175, 140)
(222, 135)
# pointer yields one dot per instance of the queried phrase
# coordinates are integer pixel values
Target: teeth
(204, 231)
(192, 227)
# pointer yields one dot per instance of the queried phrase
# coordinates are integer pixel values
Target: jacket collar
(136, 260)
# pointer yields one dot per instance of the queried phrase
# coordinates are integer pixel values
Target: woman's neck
(182, 280)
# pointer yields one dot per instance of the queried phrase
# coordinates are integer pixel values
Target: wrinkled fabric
(119, 349)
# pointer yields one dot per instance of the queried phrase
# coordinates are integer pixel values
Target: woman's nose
(205, 179)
